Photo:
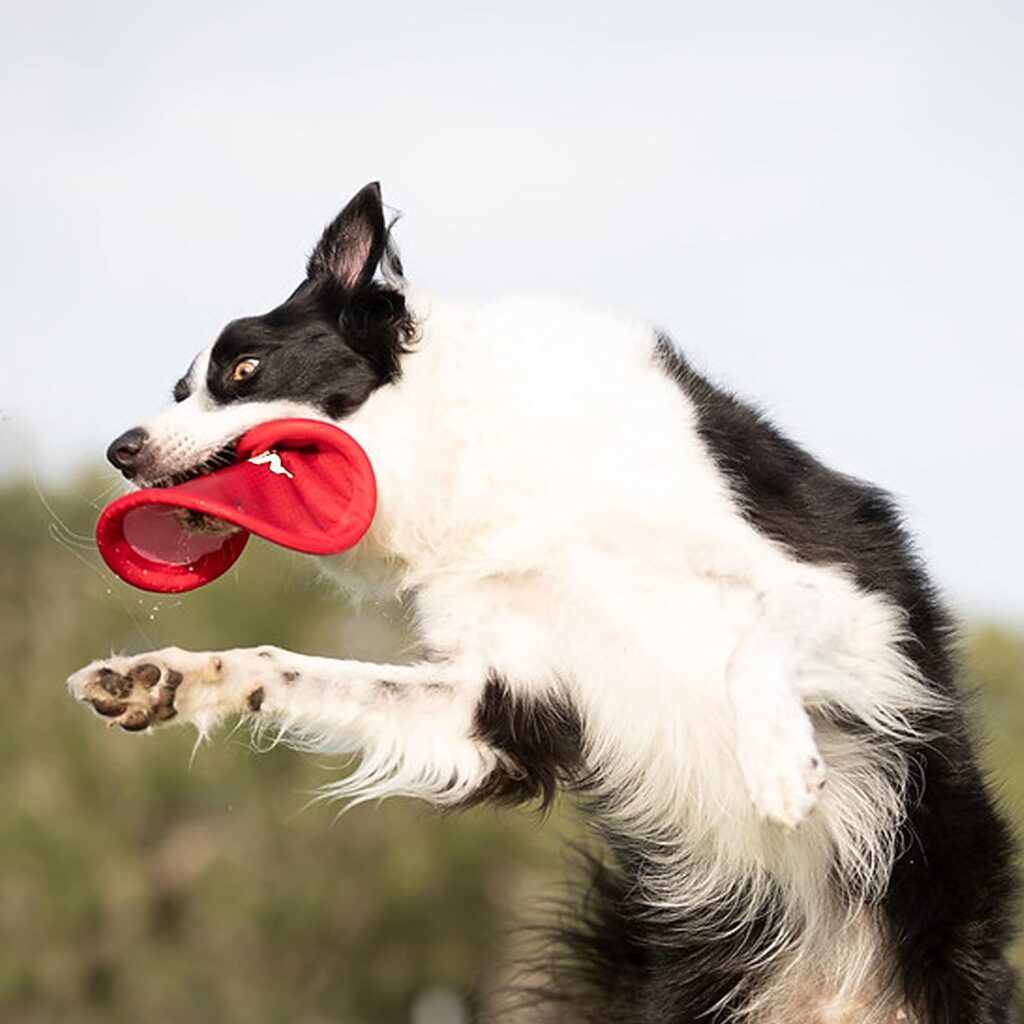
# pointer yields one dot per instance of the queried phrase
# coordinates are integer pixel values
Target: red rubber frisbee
(303, 484)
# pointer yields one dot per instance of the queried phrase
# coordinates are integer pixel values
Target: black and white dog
(629, 584)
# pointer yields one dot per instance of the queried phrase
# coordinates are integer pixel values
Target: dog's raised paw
(783, 769)
(139, 692)
(131, 693)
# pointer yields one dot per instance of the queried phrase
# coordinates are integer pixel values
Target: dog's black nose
(124, 451)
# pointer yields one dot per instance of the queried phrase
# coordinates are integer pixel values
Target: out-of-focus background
(823, 203)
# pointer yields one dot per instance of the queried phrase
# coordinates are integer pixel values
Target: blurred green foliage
(143, 879)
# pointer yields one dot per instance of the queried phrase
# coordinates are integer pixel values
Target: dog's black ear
(353, 243)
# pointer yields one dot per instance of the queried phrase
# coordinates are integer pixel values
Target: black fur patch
(185, 386)
(949, 904)
(820, 515)
(320, 347)
(337, 338)
(182, 389)
(619, 961)
(540, 740)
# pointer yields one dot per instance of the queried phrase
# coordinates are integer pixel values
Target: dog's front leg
(782, 766)
(413, 723)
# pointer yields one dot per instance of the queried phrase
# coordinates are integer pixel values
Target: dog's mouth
(224, 456)
(190, 520)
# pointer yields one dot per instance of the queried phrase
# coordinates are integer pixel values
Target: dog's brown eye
(244, 368)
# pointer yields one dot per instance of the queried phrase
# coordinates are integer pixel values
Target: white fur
(545, 496)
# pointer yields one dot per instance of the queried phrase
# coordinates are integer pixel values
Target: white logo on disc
(273, 460)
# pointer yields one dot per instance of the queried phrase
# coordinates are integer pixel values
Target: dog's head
(337, 338)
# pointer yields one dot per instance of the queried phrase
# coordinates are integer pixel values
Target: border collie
(629, 584)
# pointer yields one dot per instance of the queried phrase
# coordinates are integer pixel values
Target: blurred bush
(143, 879)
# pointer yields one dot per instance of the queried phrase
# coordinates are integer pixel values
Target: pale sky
(822, 202)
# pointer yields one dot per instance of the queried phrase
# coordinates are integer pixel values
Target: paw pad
(135, 698)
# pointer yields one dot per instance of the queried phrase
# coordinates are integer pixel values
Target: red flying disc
(303, 484)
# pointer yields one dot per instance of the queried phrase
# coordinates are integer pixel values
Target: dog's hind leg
(415, 724)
